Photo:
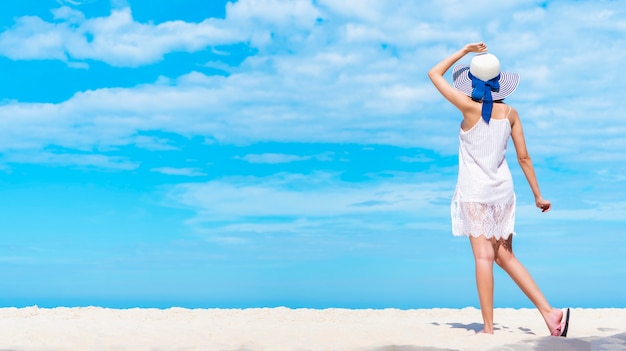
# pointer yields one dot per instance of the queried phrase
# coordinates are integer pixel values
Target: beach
(285, 329)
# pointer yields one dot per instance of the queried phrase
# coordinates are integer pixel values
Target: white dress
(484, 200)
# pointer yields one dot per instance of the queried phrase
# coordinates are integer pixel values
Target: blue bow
(482, 92)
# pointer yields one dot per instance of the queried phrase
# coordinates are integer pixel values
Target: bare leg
(484, 256)
(506, 259)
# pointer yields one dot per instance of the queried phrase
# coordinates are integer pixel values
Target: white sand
(277, 329)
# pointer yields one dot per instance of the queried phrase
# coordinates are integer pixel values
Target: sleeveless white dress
(484, 200)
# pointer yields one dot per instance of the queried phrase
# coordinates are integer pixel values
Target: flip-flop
(564, 333)
(562, 328)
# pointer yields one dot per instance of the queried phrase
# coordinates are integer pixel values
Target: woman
(483, 206)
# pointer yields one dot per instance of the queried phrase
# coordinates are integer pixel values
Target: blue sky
(205, 153)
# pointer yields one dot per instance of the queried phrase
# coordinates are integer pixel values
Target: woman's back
(484, 175)
(484, 200)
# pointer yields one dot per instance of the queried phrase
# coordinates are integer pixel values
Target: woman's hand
(476, 47)
(544, 205)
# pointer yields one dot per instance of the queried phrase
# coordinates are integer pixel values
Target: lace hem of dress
(490, 220)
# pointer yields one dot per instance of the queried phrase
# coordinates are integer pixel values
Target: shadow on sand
(547, 343)
(410, 348)
(596, 343)
(476, 327)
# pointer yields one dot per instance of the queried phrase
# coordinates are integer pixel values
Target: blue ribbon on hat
(482, 92)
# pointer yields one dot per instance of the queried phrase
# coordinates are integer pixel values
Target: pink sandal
(561, 330)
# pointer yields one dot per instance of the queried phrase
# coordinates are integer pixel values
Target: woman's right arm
(456, 97)
(517, 134)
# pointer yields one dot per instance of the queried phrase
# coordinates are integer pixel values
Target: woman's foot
(487, 329)
(557, 323)
(553, 319)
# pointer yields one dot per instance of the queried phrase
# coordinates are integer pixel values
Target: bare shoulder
(513, 116)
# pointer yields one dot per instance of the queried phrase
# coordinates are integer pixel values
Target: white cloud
(117, 39)
(189, 172)
(319, 83)
(416, 159)
(72, 159)
(153, 143)
(274, 158)
(277, 108)
(369, 10)
(31, 37)
(613, 211)
(576, 211)
(311, 203)
(74, 2)
(281, 13)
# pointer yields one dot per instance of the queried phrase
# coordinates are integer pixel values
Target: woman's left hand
(544, 205)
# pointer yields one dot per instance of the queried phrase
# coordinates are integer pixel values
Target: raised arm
(436, 73)
(517, 134)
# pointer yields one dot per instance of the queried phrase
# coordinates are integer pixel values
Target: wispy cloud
(590, 211)
(99, 161)
(296, 203)
(189, 172)
(74, 2)
(274, 158)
